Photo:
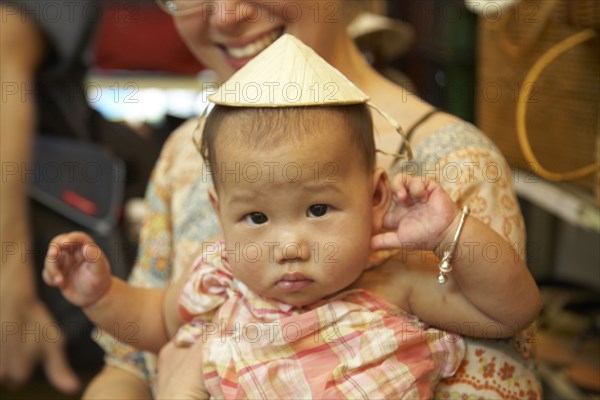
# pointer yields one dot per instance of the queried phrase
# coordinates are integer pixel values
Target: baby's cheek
(351, 263)
(340, 271)
(250, 273)
(252, 253)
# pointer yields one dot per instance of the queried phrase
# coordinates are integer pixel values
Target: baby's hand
(78, 267)
(423, 214)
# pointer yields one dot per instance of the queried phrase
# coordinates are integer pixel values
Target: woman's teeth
(252, 49)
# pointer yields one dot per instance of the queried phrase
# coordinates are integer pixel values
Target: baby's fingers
(64, 252)
(387, 240)
(409, 190)
(399, 188)
(418, 190)
(392, 218)
(52, 273)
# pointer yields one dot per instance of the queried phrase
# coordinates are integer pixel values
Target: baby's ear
(382, 198)
(214, 201)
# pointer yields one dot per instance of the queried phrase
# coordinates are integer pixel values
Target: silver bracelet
(445, 267)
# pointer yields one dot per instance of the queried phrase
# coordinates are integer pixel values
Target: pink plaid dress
(353, 345)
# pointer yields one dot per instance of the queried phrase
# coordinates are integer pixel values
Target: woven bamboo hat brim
(287, 74)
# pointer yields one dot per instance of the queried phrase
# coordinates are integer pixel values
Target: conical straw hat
(287, 74)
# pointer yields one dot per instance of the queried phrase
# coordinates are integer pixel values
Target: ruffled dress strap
(210, 284)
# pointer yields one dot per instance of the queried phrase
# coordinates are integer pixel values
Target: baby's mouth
(292, 282)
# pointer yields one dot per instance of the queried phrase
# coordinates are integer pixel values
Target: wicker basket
(562, 120)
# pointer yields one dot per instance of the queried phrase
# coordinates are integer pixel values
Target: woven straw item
(290, 74)
(287, 74)
(562, 120)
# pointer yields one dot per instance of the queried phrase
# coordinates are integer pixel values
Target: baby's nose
(292, 247)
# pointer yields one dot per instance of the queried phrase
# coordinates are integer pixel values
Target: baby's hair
(264, 128)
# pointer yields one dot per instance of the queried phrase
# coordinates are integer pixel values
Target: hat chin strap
(404, 152)
(197, 134)
(405, 149)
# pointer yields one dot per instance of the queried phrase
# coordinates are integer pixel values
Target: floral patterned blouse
(180, 220)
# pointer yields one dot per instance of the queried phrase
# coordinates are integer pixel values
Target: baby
(271, 302)
(299, 199)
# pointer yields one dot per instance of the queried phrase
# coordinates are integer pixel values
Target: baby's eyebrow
(322, 187)
(242, 197)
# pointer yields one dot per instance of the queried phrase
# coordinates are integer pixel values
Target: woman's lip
(236, 62)
(242, 42)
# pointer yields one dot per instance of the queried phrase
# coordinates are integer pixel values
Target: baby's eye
(317, 210)
(256, 218)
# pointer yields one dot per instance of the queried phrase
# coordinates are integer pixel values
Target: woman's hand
(422, 218)
(25, 319)
(180, 372)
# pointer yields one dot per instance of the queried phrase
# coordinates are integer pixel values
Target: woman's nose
(230, 14)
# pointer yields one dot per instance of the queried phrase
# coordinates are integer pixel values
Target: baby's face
(297, 218)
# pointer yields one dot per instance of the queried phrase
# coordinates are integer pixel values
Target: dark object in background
(79, 181)
(441, 64)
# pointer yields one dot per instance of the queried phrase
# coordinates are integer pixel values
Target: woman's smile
(240, 52)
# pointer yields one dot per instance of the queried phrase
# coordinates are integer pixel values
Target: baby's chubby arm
(79, 268)
(480, 291)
